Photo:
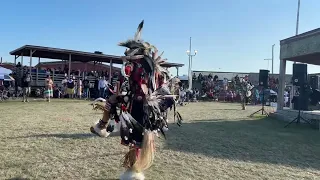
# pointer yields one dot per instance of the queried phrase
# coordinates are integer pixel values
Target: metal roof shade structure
(302, 48)
(71, 55)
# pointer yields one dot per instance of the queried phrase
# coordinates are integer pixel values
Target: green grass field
(41, 140)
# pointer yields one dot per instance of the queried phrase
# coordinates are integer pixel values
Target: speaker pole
(299, 117)
(262, 83)
(263, 111)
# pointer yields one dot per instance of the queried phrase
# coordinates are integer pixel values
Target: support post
(37, 73)
(21, 59)
(15, 60)
(1, 61)
(53, 75)
(177, 72)
(69, 71)
(282, 74)
(30, 63)
(110, 71)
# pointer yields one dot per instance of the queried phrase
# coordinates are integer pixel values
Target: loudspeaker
(299, 74)
(314, 81)
(300, 100)
(263, 78)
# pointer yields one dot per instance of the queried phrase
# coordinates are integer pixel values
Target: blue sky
(230, 35)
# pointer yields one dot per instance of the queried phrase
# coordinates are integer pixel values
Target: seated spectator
(215, 78)
(200, 77)
(210, 93)
(230, 96)
(18, 64)
(234, 96)
(194, 77)
(56, 91)
(197, 93)
(66, 69)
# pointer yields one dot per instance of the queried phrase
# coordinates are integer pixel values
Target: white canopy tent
(6, 77)
(5, 71)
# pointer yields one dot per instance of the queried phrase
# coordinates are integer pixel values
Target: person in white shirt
(103, 83)
(286, 98)
(182, 95)
(64, 85)
(79, 88)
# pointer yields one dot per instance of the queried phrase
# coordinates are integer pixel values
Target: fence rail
(39, 79)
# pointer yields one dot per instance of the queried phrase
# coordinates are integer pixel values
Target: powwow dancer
(243, 87)
(173, 86)
(144, 90)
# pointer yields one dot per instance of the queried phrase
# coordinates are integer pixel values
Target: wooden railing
(39, 79)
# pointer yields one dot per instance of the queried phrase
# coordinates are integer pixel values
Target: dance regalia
(143, 102)
(243, 88)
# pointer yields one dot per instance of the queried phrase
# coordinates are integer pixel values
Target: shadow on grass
(262, 140)
(225, 109)
(64, 136)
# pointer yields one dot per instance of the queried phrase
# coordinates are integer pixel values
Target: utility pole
(268, 62)
(297, 23)
(190, 73)
(298, 16)
(190, 64)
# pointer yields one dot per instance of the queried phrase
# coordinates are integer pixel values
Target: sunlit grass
(41, 140)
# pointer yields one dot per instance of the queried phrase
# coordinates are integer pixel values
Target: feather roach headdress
(142, 67)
